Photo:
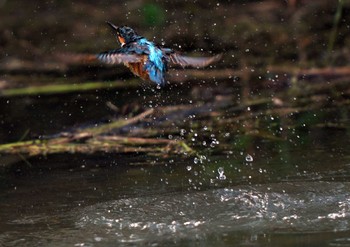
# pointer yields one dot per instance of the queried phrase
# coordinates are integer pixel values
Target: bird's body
(145, 59)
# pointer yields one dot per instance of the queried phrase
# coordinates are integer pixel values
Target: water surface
(298, 197)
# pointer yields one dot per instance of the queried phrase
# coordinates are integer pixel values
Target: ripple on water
(340, 242)
(278, 208)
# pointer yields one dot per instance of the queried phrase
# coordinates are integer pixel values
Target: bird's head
(124, 34)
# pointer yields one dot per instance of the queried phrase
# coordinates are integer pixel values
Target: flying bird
(146, 59)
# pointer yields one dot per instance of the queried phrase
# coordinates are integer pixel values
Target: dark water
(298, 197)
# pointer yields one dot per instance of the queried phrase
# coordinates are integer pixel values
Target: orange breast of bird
(138, 68)
(121, 39)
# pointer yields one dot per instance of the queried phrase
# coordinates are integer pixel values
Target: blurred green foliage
(153, 14)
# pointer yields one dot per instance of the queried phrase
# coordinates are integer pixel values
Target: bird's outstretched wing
(118, 56)
(110, 57)
(184, 61)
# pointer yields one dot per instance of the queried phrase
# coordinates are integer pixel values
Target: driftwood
(113, 144)
(66, 88)
(92, 139)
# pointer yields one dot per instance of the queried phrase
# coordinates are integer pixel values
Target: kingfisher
(146, 59)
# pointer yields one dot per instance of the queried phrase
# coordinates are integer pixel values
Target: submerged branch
(104, 128)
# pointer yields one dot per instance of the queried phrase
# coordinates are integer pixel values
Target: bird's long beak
(114, 27)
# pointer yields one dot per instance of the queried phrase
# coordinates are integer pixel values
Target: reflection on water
(293, 197)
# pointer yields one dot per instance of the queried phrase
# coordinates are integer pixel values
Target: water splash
(283, 208)
(286, 208)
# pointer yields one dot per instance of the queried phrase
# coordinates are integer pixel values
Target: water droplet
(202, 157)
(189, 168)
(221, 173)
(98, 239)
(249, 158)
(182, 132)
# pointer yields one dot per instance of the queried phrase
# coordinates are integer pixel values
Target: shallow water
(298, 197)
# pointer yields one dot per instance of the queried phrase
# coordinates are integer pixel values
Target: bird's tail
(155, 74)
